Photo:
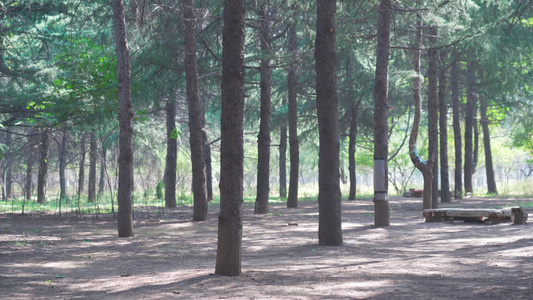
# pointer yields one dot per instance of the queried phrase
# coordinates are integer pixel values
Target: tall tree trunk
(329, 193)
(43, 169)
(81, 173)
(229, 245)
(263, 139)
(381, 107)
(433, 114)
(292, 200)
(426, 167)
(195, 114)
(103, 166)
(9, 167)
(443, 128)
(283, 158)
(458, 173)
(469, 125)
(172, 152)
(92, 168)
(125, 160)
(491, 182)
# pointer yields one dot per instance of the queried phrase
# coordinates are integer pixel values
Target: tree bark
(172, 151)
(43, 169)
(92, 168)
(469, 125)
(426, 167)
(443, 128)
(292, 200)
(458, 174)
(125, 160)
(381, 107)
(195, 114)
(229, 245)
(329, 194)
(433, 114)
(491, 182)
(263, 139)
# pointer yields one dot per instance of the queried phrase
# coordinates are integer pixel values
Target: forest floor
(44, 257)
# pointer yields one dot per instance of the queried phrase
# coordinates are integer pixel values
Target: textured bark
(425, 167)
(263, 139)
(195, 114)
(443, 130)
(329, 194)
(92, 168)
(125, 160)
(292, 200)
(229, 245)
(433, 114)
(475, 154)
(43, 168)
(491, 182)
(172, 152)
(283, 159)
(469, 125)
(458, 175)
(81, 172)
(381, 107)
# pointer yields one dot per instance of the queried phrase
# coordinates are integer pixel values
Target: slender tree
(93, 152)
(229, 245)
(283, 157)
(381, 106)
(81, 172)
(443, 131)
(292, 200)
(172, 151)
(195, 111)
(43, 168)
(433, 114)
(9, 167)
(491, 183)
(329, 194)
(354, 116)
(469, 126)
(426, 167)
(458, 173)
(125, 160)
(263, 139)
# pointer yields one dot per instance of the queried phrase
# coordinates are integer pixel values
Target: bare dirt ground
(43, 257)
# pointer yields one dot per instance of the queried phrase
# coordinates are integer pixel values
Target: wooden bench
(488, 216)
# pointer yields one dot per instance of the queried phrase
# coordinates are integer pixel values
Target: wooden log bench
(488, 216)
